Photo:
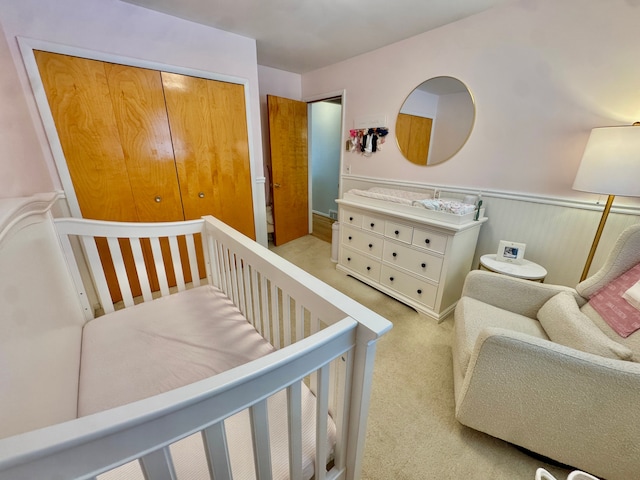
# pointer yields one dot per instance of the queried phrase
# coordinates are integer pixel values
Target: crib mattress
(170, 342)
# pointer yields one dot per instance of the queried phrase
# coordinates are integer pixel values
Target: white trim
(27, 45)
(490, 193)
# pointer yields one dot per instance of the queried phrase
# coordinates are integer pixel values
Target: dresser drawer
(418, 290)
(360, 263)
(363, 241)
(398, 231)
(373, 224)
(420, 262)
(349, 217)
(430, 240)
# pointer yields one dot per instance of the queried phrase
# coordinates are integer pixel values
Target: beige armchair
(574, 399)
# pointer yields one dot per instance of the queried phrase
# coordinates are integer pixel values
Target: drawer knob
(391, 279)
(371, 245)
(351, 219)
(427, 241)
(394, 254)
(348, 259)
(372, 225)
(424, 265)
(397, 232)
(368, 268)
(350, 237)
(419, 292)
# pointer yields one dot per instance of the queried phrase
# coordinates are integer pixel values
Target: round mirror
(435, 121)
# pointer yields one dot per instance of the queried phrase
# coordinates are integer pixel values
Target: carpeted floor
(412, 431)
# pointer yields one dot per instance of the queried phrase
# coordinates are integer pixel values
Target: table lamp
(610, 165)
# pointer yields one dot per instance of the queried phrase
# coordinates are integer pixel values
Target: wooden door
(210, 141)
(112, 126)
(289, 168)
(414, 137)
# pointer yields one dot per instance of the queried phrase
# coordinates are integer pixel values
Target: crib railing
(88, 446)
(323, 338)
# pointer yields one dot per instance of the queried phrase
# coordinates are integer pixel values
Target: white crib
(86, 396)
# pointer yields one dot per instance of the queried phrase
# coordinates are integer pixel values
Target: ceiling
(303, 35)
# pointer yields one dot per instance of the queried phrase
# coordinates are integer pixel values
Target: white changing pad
(173, 341)
(391, 195)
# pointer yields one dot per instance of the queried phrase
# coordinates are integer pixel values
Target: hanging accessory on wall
(366, 140)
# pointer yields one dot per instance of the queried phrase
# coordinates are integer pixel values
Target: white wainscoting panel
(558, 232)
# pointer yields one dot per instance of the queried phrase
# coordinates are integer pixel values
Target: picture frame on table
(510, 252)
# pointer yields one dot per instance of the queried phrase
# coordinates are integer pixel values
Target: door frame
(343, 138)
(28, 45)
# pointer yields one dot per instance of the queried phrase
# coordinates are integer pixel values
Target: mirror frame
(422, 125)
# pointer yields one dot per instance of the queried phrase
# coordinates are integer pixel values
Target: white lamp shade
(611, 162)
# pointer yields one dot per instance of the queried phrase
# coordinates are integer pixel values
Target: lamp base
(596, 239)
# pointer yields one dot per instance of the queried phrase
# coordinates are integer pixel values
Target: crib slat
(260, 433)
(322, 412)
(266, 323)
(248, 293)
(217, 451)
(212, 248)
(193, 259)
(286, 318)
(158, 465)
(121, 272)
(141, 269)
(175, 260)
(65, 242)
(255, 281)
(294, 402)
(241, 287)
(157, 260)
(233, 270)
(275, 317)
(99, 278)
(299, 322)
(342, 401)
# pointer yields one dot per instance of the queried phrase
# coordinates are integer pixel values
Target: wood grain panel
(141, 118)
(80, 102)
(210, 141)
(289, 168)
(414, 135)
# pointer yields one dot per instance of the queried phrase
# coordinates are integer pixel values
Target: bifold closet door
(112, 125)
(415, 137)
(211, 147)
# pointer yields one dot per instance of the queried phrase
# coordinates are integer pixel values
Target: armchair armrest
(575, 407)
(513, 294)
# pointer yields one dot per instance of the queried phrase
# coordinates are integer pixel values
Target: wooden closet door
(112, 125)
(211, 147)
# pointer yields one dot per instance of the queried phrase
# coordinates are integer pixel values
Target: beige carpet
(412, 431)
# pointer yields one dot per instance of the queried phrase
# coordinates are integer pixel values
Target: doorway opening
(325, 144)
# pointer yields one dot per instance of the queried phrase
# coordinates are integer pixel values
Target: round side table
(527, 270)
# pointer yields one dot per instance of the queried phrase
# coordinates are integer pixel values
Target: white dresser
(420, 261)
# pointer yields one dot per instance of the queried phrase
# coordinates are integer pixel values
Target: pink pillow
(621, 316)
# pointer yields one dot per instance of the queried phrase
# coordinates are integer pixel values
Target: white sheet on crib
(150, 348)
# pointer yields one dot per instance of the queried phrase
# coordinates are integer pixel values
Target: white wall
(542, 73)
(120, 29)
(325, 138)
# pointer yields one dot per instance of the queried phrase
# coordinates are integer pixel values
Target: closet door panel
(80, 102)
(210, 142)
(141, 117)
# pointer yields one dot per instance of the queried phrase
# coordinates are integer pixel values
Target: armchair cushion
(472, 316)
(564, 323)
